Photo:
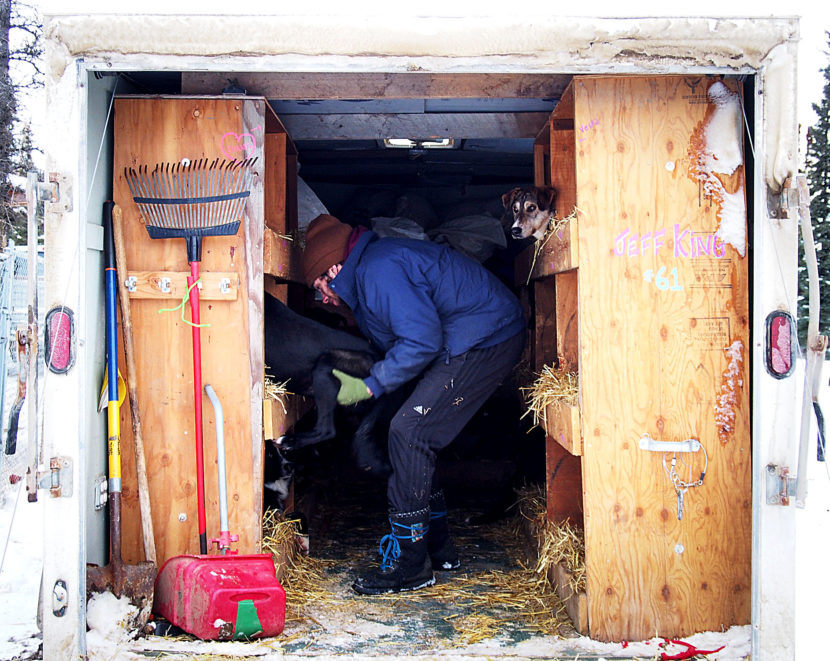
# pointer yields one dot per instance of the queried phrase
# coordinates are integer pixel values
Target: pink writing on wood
(685, 243)
(238, 146)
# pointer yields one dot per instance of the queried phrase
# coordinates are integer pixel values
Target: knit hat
(326, 239)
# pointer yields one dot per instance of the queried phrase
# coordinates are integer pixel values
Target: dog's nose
(516, 232)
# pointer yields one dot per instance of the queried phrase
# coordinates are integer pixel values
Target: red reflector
(59, 338)
(780, 350)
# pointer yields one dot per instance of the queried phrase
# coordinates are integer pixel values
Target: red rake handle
(197, 401)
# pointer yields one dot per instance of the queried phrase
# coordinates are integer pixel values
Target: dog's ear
(507, 198)
(546, 197)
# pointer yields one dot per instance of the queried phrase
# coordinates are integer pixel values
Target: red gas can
(220, 597)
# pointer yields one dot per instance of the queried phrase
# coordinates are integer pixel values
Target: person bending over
(440, 318)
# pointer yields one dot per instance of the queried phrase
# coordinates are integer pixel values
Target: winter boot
(442, 551)
(405, 562)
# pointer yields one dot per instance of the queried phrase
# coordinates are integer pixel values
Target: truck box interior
(430, 156)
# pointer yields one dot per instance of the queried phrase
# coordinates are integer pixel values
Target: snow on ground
(109, 639)
(21, 527)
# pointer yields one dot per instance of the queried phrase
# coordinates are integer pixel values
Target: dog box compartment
(592, 306)
(650, 309)
(168, 129)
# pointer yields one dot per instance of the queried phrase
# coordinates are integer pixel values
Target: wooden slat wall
(150, 130)
(653, 362)
(311, 85)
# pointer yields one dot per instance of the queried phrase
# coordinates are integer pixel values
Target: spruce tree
(20, 52)
(817, 167)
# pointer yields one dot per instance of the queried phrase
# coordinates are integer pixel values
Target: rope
(390, 548)
(181, 306)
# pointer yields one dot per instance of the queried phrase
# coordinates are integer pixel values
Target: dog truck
(481, 81)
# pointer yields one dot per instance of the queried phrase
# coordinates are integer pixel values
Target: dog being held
(303, 351)
(528, 211)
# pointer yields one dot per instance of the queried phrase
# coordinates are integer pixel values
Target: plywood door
(148, 131)
(663, 319)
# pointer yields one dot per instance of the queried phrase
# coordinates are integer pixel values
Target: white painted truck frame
(77, 147)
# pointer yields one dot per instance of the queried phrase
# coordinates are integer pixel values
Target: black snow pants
(447, 396)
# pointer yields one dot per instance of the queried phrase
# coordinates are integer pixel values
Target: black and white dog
(528, 211)
(304, 352)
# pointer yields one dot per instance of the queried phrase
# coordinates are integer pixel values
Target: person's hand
(352, 389)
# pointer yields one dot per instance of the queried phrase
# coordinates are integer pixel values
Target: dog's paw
(286, 443)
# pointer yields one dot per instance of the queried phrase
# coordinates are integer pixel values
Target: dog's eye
(531, 208)
(517, 207)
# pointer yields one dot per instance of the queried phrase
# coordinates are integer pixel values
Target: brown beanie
(326, 239)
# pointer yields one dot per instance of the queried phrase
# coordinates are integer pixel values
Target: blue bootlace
(390, 548)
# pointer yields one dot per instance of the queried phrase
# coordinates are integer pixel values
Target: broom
(192, 200)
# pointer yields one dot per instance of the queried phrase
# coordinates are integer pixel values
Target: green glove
(352, 389)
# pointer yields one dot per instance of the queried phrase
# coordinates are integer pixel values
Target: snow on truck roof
(542, 42)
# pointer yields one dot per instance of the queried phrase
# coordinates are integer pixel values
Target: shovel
(133, 581)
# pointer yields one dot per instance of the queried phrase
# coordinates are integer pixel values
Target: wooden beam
(379, 85)
(215, 285)
(380, 126)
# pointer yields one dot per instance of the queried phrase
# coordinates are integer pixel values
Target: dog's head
(278, 474)
(530, 209)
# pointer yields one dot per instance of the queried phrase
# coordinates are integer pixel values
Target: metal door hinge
(780, 486)
(59, 193)
(786, 203)
(58, 479)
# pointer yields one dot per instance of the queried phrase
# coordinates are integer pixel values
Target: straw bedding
(475, 606)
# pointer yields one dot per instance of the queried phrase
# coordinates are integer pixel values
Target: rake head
(193, 199)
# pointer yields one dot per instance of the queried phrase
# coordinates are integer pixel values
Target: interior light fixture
(427, 143)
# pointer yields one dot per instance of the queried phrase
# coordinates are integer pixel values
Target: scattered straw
(302, 576)
(479, 605)
(552, 385)
(276, 391)
(558, 543)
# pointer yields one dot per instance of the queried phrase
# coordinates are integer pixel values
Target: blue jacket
(416, 300)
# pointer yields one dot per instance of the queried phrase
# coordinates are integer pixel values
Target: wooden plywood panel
(279, 416)
(557, 252)
(563, 175)
(170, 285)
(567, 321)
(147, 131)
(282, 257)
(664, 333)
(368, 85)
(576, 603)
(276, 191)
(541, 157)
(563, 486)
(544, 294)
(563, 426)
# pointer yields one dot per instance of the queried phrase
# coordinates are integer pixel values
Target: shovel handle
(132, 387)
(113, 418)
